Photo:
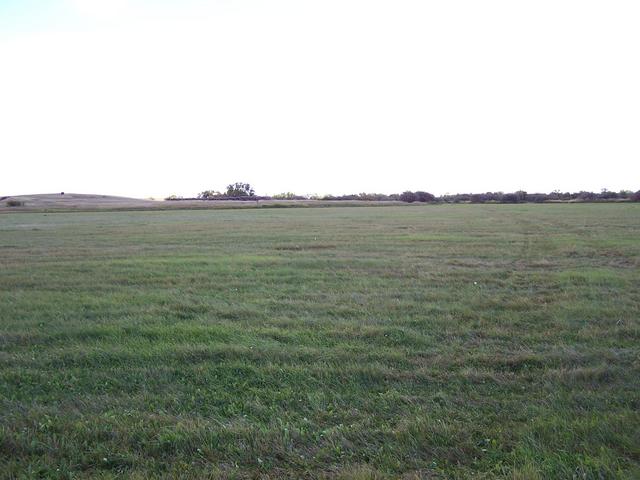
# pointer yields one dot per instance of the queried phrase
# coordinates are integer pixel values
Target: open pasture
(452, 341)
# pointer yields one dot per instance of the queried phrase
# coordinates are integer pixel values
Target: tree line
(244, 191)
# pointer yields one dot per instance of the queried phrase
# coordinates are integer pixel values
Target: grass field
(417, 342)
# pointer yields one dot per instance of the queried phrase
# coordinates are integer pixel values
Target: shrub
(14, 203)
(635, 197)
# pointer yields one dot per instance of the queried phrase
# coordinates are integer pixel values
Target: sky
(148, 98)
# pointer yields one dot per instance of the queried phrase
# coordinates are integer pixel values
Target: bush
(14, 203)
(635, 197)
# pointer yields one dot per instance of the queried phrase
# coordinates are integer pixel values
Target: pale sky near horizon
(150, 98)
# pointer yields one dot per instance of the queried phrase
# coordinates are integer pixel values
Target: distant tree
(625, 194)
(374, 197)
(509, 198)
(607, 194)
(173, 197)
(408, 197)
(555, 195)
(521, 196)
(240, 189)
(537, 197)
(457, 198)
(425, 197)
(209, 194)
(286, 196)
(635, 197)
(370, 197)
(587, 196)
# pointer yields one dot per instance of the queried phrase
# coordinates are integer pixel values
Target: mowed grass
(417, 342)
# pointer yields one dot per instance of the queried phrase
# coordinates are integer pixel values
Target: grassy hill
(71, 201)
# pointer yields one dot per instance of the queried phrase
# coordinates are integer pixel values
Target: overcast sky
(150, 98)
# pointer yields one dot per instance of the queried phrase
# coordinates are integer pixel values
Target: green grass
(421, 341)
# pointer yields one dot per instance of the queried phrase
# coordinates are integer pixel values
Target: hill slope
(72, 201)
(84, 202)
